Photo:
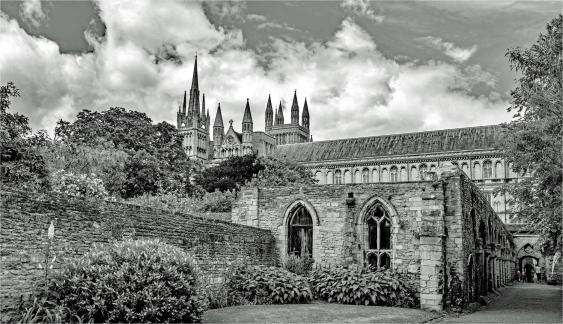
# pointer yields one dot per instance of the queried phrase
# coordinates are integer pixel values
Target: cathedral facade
(193, 123)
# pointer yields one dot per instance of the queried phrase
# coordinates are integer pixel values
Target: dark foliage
(534, 138)
(360, 287)
(154, 157)
(129, 281)
(21, 164)
(230, 174)
(267, 285)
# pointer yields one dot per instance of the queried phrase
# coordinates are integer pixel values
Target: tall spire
(218, 117)
(269, 113)
(195, 84)
(305, 115)
(247, 117)
(193, 106)
(184, 104)
(295, 110)
(279, 115)
(203, 106)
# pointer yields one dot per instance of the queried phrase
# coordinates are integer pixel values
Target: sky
(366, 67)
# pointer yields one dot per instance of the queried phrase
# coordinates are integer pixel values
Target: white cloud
(255, 17)
(351, 88)
(456, 53)
(362, 8)
(271, 24)
(32, 12)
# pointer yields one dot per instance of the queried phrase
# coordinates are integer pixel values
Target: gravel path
(520, 303)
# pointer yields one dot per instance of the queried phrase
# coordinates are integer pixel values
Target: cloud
(271, 24)
(362, 8)
(255, 17)
(352, 89)
(32, 12)
(458, 54)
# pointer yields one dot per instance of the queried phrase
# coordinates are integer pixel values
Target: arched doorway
(300, 232)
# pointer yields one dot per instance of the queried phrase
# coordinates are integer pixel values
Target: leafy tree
(230, 174)
(281, 172)
(124, 147)
(22, 166)
(533, 141)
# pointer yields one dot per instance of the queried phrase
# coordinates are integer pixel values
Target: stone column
(432, 261)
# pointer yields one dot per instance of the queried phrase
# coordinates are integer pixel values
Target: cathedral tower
(269, 114)
(247, 126)
(192, 124)
(295, 110)
(305, 115)
(218, 128)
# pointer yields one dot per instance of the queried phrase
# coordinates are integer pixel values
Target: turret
(218, 129)
(305, 115)
(203, 121)
(269, 114)
(247, 125)
(295, 110)
(279, 115)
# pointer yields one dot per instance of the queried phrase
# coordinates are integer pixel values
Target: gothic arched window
(329, 178)
(404, 174)
(394, 173)
(365, 175)
(499, 174)
(384, 175)
(300, 232)
(337, 177)
(414, 174)
(357, 176)
(347, 176)
(476, 171)
(422, 170)
(487, 170)
(378, 239)
(465, 168)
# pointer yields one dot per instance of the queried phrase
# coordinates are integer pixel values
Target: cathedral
(401, 159)
(193, 123)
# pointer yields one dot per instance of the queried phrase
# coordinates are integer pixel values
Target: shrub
(297, 265)
(78, 184)
(360, 287)
(267, 285)
(129, 281)
(217, 201)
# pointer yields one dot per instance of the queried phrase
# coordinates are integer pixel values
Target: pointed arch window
(300, 232)
(337, 177)
(423, 170)
(365, 175)
(377, 242)
(487, 170)
(394, 174)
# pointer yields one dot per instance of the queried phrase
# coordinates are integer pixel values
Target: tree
(281, 172)
(22, 166)
(117, 142)
(533, 138)
(230, 174)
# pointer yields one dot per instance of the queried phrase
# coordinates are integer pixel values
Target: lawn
(316, 313)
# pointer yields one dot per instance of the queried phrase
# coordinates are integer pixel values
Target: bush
(361, 287)
(217, 202)
(267, 285)
(129, 281)
(78, 184)
(297, 265)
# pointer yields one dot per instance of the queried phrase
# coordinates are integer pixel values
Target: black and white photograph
(226, 161)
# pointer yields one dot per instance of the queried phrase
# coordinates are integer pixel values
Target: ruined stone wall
(25, 218)
(431, 231)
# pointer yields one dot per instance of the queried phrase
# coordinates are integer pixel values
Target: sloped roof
(445, 140)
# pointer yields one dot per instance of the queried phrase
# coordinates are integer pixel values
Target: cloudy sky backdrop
(366, 68)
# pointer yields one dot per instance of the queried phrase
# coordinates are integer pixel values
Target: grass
(316, 313)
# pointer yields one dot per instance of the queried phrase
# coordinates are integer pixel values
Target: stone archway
(528, 257)
(298, 234)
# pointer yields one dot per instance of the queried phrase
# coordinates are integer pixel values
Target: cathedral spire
(269, 113)
(203, 106)
(305, 115)
(193, 106)
(247, 117)
(279, 115)
(184, 104)
(295, 110)
(218, 117)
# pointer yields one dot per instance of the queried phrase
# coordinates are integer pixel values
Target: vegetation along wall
(79, 223)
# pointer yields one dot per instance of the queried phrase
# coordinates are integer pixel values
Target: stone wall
(430, 242)
(25, 218)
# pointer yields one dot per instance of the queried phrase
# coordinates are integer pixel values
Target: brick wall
(25, 218)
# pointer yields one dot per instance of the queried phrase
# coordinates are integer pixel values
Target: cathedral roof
(444, 140)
